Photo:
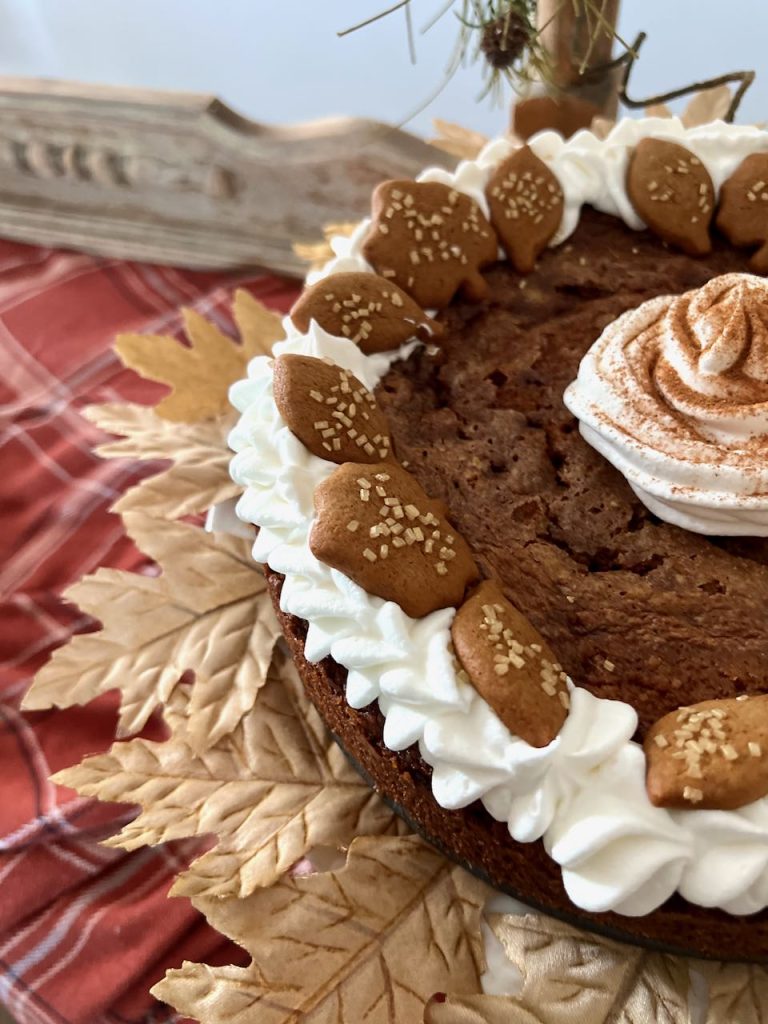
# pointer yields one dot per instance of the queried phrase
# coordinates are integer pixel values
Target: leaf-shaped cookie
(199, 477)
(526, 204)
(373, 312)
(270, 792)
(370, 942)
(713, 754)
(742, 215)
(366, 308)
(431, 240)
(329, 410)
(375, 524)
(672, 192)
(511, 665)
(200, 374)
(209, 613)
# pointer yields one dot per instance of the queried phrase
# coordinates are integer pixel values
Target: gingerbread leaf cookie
(671, 190)
(431, 240)
(510, 665)
(377, 526)
(330, 411)
(709, 755)
(366, 308)
(526, 204)
(743, 212)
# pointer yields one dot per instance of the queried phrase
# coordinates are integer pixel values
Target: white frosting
(584, 794)
(675, 395)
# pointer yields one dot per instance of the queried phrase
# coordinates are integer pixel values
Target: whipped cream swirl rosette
(675, 395)
(584, 794)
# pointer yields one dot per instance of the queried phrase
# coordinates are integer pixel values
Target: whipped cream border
(584, 794)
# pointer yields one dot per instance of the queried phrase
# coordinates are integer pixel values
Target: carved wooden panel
(181, 178)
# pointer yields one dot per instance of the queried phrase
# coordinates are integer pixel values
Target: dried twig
(628, 59)
(373, 18)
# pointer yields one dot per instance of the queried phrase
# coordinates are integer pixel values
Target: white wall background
(280, 60)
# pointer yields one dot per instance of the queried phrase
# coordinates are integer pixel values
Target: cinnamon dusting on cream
(675, 395)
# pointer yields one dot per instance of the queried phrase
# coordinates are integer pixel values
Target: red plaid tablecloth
(84, 930)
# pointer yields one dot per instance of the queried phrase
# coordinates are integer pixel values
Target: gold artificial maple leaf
(316, 254)
(258, 327)
(738, 993)
(272, 790)
(370, 942)
(570, 976)
(707, 105)
(201, 373)
(704, 106)
(199, 477)
(209, 611)
(457, 140)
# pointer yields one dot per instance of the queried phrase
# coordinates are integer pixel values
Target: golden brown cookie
(430, 240)
(742, 215)
(510, 665)
(671, 190)
(366, 308)
(709, 755)
(526, 204)
(330, 411)
(377, 526)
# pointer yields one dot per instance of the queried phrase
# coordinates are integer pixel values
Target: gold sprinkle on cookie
(431, 240)
(369, 310)
(511, 665)
(402, 547)
(330, 411)
(672, 192)
(526, 204)
(709, 755)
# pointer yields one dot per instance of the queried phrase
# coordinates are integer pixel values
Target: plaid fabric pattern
(84, 930)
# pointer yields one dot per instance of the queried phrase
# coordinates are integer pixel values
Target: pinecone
(504, 39)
